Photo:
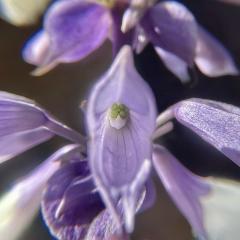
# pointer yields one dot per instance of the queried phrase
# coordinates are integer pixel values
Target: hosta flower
(73, 29)
(92, 190)
(24, 12)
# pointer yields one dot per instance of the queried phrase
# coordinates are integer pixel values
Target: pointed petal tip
(42, 70)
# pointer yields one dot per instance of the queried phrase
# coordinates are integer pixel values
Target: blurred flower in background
(24, 12)
(169, 26)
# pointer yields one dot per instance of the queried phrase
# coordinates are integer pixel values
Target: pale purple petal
(217, 123)
(184, 187)
(75, 29)
(24, 125)
(171, 26)
(37, 48)
(211, 57)
(120, 151)
(174, 64)
(25, 196)
(68, 208)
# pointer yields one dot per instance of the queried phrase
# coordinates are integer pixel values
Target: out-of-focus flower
(24, 12)
(94, 191)
(73, 29)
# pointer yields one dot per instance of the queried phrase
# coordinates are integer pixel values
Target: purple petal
(171, 26)
(217, 123)
(211, 57)
(75, 29)
(68, 208)
(184, 187)
(25, 196)
(174, 64)
(120, 147)
(37, 48)
(24, 125)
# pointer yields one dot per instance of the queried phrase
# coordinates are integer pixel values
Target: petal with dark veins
(120, 123)
(23, 125)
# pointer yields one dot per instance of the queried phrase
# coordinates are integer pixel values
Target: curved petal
(217, 123)
(68, 208)
(210, 205)
(174, 64)
(25, 196)
(24, 12)
(120, 148)
(37, 48)
(184, 187)
(75, 29)
(171, 26)
(23, 125)
(212, 58)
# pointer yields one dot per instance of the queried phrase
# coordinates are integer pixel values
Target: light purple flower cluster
(93, 188)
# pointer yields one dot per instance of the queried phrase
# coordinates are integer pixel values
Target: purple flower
(73, 29)
(93, 189)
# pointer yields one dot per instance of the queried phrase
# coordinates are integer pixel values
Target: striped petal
(217, 123)
(23, 125)
(120, 127)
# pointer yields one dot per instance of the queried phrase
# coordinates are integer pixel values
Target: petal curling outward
(121, 119)
(209, 204)
(75, 29)
(24, 198)
(171, 26)
(25, 125)
(211, 57)
(24, 12)
(217, 123)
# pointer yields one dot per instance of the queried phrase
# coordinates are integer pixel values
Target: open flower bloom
(24, 12)
(93, 190)
(73, 29)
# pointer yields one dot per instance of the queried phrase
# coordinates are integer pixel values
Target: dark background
(61, 91)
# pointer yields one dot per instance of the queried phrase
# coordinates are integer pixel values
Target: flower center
(107, 3)
(118, 115)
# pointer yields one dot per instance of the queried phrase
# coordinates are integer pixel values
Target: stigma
(118, 115)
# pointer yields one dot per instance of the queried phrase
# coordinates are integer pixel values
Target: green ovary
(119, 110)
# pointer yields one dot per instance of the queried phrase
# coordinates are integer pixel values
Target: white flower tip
(42, 70)
(130, 19)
